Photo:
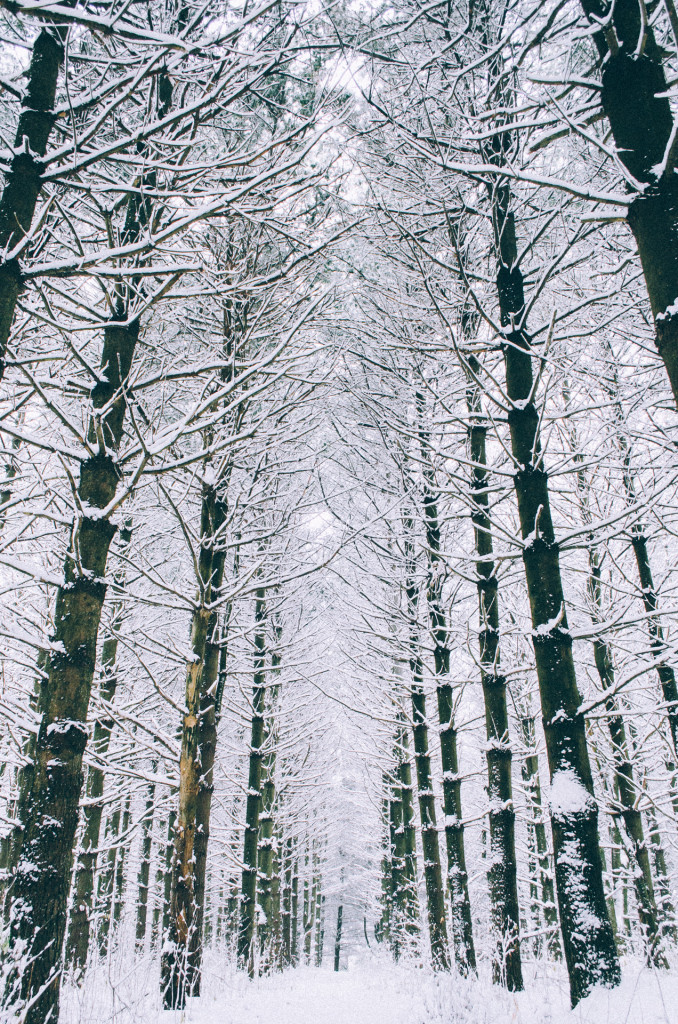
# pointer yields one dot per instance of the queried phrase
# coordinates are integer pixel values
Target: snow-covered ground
(377, 993)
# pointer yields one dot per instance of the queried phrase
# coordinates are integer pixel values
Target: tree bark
(530, 774)
(411, 898)
(176, 975)
(337, 938)
(590, 951)
(120, 863)
(625, 788)
(286, 946)
(382, 930)
(457, 877)
(81, 912)
(266, 841)
(50, 790)
(320, 900)
(502, 876)
(397, 864)
(435, 898)
(625, 784)
(23, 181)
(249, 874)
(634, 97)
(265, 859)
(144, 875)
(294, 920)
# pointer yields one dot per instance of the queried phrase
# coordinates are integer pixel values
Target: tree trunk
(590, 951)
(212, 688)
(144, 875)
(286, 950)
(176, 976)
(337, 938)
(319, 925)
(397, 893)
(457, 877)
(665, 672)
(435, 898)
(167, 886)
(294, 922)
(625, 788)
(266, 842)
(634, 97)
(106, 883)
(120, 861)
(81, 912)
(411, 897)
(50, 791)
(310, 913)
(666, 907)
(530, 773)
(276, 903)
(249, 874)
(23, 181)
(382, 930)
(502, 876)
(625, 784)
(265, 859)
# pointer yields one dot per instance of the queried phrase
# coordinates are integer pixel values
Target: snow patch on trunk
(568, 794)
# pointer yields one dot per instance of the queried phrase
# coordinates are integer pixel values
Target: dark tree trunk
(530, 773)
(319, 905)
(635, 99)
(294, 920)
(23, 181)
(249, 873)
(665, 672)
(590, 951)
(167, 881)
(286, 945)
(502, 876)
(310, 907)
(457, 877)
(337, 938)
(435, 898)
(625, 784)
(382, 930)
(107, 882)
(120, 863)
(51, 787)
(411, 897)
(265, 860)
(276, 902)
(81, 912)
(266, 844)
(667, 676)
(144, 875)
(398, 892)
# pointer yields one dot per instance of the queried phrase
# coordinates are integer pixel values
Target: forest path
(380, 993)
(317, 996)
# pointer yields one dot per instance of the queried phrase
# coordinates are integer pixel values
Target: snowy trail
(375, 992)
(316, 997)
(383, 994)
